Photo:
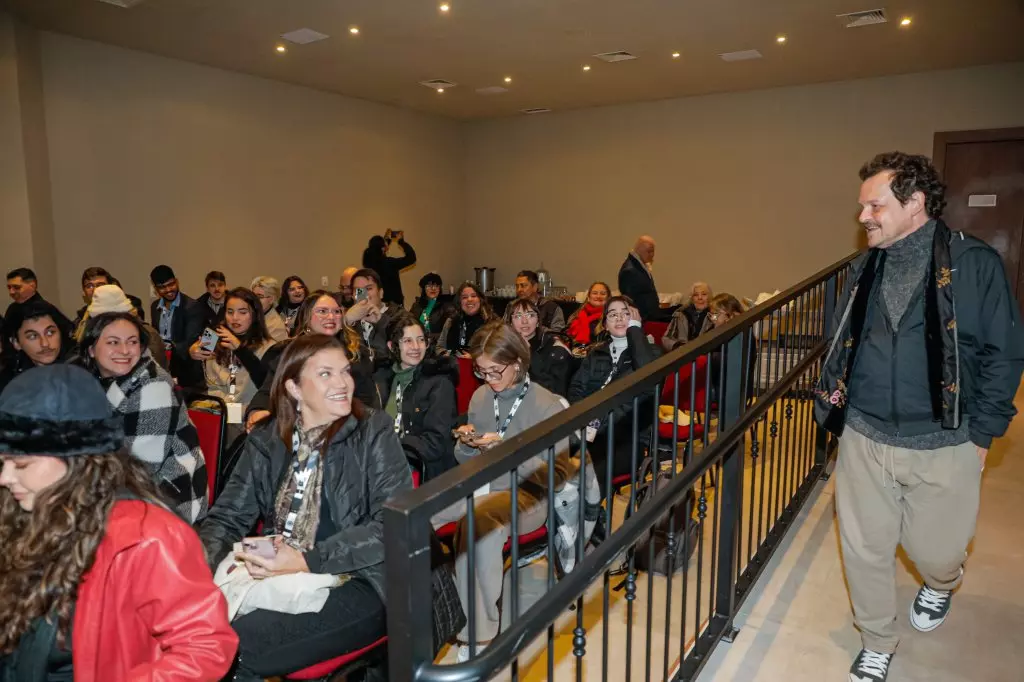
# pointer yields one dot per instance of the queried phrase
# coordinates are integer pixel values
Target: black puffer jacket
(429, 414)
(597, 366)
(363, 468)
(551, 362)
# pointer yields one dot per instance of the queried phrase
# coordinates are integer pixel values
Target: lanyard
(398, 410)
(611, 375)
(302, 474)
(232, 374)
(462, 336)
(511, 413)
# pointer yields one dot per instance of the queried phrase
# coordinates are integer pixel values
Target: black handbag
(448, 616)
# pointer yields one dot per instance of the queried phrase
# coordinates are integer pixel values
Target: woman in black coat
(551, 361)
(624, 352)
(473, 313)
(432, 308)
(317, 477)
(389, 269)
(418, 393)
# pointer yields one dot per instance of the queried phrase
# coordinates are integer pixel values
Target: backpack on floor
(686, 529)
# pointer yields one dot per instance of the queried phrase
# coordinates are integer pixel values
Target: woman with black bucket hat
(100, 581)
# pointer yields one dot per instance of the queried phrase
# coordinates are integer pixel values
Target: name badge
(592, 428)
(234, 413)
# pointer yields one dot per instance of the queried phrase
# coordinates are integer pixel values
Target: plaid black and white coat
(159, 432)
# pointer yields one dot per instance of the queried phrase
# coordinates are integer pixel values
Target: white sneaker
(870, 666)
(930, 609)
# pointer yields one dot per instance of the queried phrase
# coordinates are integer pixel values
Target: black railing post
(829, 310)
(410, 595)
(731, 483)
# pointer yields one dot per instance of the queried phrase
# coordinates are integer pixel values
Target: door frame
(948, 137)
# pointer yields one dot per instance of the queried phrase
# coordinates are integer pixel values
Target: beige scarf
(304, 444)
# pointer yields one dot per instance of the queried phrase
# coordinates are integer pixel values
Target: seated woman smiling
(317, 478)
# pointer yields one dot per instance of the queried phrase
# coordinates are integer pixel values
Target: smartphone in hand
(361, 294)
(262, 547)
(209, 340)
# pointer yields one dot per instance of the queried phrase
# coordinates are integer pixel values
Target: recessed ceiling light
(781, 40)
(906, 21)
(354, 30)
(508, 79)
(440, 91)
(675, 55)
(281, 48)
(586, 67)
(444, 7)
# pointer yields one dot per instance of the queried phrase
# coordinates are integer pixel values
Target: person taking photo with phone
(388, 268)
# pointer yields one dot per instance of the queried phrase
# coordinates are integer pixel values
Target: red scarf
(579, 329)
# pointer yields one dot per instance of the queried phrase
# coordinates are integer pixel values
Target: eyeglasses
(619, 316)
(489, 374)
(327, 312)
(530, 315)
(715, 316)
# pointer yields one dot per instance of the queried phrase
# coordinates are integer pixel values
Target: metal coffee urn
(485, 278)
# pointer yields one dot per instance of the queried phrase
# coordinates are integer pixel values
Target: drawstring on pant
(889, 458)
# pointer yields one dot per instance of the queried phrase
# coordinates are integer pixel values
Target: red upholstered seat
(655, 330)
(210, 429)
(334, 665)
(468, 383)
(687, 374)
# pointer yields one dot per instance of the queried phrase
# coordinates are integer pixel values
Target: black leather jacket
(363, 468)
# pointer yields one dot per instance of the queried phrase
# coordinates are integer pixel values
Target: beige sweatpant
(925, 500)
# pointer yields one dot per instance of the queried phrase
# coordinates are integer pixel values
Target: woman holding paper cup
(157, 428)
(501, 359)
(317, 478)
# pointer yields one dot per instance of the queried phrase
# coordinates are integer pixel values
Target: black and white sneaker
(929, 609)
(870, 666)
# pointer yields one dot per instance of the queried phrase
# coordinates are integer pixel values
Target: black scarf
(472, 324)
(940, 338)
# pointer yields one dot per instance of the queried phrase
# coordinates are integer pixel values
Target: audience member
(317, 477)
(99, 580)
(430, 308)
(418, 392)
(551, 361)
(293, 293)
(156, 425)
(35, 334)
(389, 269)
(235, 370)
(721, 310)
(268, 291)
(625, 351)
(636, 280)
(179, 319)
(691, 320)
(22, 285)
(97, 277)
(109, 298)
(371, 314)
(345, 286)
(584, 325)
(212, 302)
(474, 312)
(320, 313)
(528, 289)
(506, 405)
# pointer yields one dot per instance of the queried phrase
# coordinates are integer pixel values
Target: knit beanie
(60, 411)
(109, 299)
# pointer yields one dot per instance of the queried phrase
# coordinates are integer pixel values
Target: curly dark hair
(49, 550)
(396, 330)
(910, 173)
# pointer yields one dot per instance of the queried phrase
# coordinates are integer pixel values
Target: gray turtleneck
(903, 277)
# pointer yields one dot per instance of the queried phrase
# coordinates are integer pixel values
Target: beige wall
(154, 160)
(751, 191)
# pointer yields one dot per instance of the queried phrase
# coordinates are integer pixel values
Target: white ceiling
(543, 44)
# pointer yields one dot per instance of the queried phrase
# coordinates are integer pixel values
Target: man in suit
(637, 281)
(180, 320)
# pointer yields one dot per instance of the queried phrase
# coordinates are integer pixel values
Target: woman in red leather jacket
(99, 580)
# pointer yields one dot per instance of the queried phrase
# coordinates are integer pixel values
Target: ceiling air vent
(865, 18)
(438, 84)
(304, 36)
(535, 110)
(611, 57)
(122, 3)
(740, 56)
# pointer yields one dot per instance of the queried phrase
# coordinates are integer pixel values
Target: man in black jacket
(925, 359)
(179, 319)
(637, 281)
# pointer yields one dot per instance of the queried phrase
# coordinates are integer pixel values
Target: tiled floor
(796, 624)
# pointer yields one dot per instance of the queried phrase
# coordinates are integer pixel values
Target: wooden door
(984, 175)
